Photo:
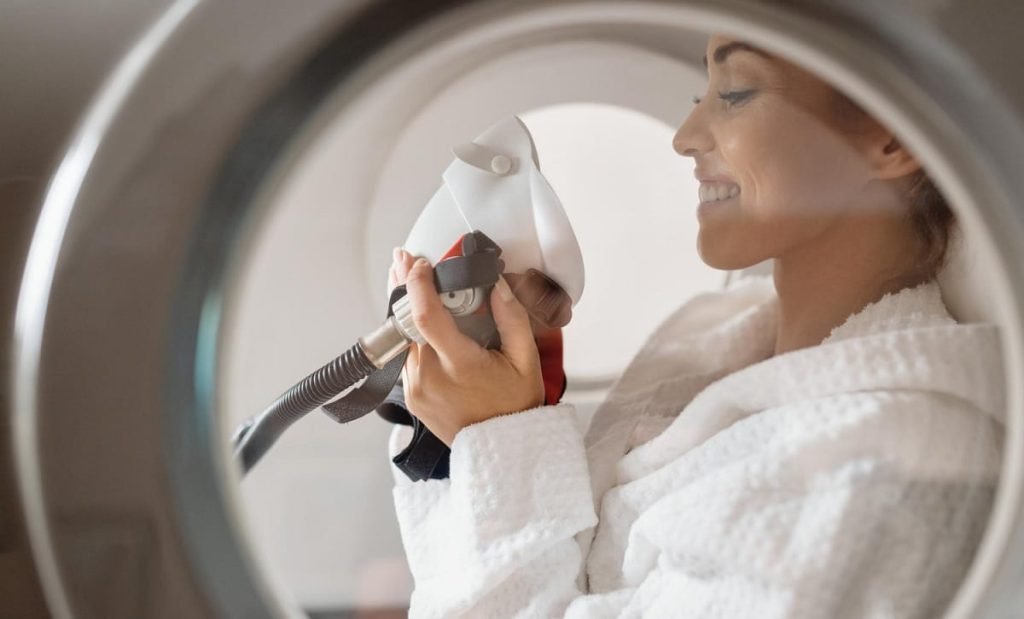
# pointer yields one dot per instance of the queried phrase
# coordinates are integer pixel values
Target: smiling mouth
(717, 191)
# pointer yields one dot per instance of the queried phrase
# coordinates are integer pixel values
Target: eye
(696, 100)
(736, 96)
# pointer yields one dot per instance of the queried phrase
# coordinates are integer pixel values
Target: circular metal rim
(771, 28)
(37, 279)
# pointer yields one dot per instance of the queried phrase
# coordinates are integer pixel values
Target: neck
(823, 283)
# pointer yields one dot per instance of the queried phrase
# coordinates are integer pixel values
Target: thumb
(513, 323)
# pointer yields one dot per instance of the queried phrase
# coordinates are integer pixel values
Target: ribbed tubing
(260, 433)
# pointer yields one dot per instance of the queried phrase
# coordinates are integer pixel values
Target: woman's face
(776, 172)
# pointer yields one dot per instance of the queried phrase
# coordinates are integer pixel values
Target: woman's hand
(451, 381)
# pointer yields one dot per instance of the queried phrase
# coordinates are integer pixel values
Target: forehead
(725, 53)
(721, 48)
(728, 55)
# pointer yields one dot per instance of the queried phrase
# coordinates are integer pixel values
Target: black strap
(375, 389)
(425, 457)
(467, 272)
(393, 407)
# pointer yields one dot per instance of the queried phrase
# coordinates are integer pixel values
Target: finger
(423, 372)
(434, 322)
(554, 308)
(412, 360)
(544, 299)
(396, 260)
(411, 369)
(432, 380)
(428, 362)
(513, 322)
(403, 262)
(410, 376)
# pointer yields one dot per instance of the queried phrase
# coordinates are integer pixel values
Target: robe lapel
(683, 356)
(961, 361)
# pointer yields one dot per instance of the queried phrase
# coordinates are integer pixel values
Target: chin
(726, 256)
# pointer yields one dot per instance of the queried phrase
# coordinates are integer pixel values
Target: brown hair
(933, 220)
(929, 213)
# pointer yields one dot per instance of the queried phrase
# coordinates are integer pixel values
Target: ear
(889, 159)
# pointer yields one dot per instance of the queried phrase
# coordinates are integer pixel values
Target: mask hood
(495, 185)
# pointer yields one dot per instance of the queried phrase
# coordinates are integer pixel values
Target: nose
(693, 137)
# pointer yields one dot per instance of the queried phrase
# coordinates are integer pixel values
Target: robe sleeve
(496, 539)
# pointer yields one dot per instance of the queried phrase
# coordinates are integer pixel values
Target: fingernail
(503, 290)
(421, 263)
(396, 254)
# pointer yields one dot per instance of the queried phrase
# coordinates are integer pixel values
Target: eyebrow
(723, 51)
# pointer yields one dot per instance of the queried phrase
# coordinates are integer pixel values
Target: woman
(819, 445)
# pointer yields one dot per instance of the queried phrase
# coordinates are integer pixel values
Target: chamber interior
(354, 187)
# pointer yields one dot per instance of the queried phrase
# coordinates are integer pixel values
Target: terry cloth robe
(849, 479)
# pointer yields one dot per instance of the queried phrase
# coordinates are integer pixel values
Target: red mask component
(550, 309)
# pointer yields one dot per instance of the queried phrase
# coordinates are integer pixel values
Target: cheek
(789, 164)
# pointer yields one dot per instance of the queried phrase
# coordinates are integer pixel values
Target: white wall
(631, 200)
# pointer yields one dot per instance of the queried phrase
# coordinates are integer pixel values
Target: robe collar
(905, 341)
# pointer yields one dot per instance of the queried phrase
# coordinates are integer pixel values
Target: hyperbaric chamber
(231, 148)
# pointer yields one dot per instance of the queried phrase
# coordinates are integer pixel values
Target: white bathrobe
(849, 479)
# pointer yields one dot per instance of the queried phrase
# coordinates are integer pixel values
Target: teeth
(713, 192)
